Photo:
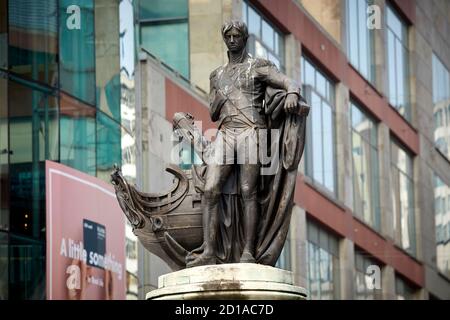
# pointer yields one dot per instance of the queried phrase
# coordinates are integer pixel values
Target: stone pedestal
(237, 281)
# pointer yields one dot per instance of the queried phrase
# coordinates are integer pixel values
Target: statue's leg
(248, 179)
(216, 176)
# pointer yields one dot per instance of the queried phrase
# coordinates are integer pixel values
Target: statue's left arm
(270, 74)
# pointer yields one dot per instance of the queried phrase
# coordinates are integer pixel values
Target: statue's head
(235, 35)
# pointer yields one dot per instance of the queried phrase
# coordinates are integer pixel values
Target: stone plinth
(237, 281)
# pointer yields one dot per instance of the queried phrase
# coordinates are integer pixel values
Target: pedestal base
(237, 281)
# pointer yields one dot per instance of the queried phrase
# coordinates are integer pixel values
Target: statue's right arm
(216, 98)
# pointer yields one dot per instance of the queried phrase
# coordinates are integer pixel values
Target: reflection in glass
(323, 264)
(398, 57)
(365, 167)
(33, 133)
(360, 39)
(33, 40)
(77, 51)
(403, 198)
(442, 225)
(441, 106)
(109, 150)
(4, 156)
(78, 137)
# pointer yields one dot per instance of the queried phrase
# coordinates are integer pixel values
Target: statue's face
(234, 40)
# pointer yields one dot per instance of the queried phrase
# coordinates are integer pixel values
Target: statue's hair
(238, 25)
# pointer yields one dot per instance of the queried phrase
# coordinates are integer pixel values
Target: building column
(388, 283)
(384, 157)
(347, 268)
(299, 242)
(207, 49)
(343, 142)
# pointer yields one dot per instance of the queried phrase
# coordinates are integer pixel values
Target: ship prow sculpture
(229, 212)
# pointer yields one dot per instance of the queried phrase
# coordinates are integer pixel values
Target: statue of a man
(237, 91)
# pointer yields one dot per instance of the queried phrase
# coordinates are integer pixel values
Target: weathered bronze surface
(228, 209)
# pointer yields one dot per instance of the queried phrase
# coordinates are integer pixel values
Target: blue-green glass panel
(170, 43)
(33, 39)
(109, 151)
(33, 138)
(163, 9)
(3, 34)
(77, 50)
(78, 136)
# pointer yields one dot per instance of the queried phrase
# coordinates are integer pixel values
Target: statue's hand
(291, 103)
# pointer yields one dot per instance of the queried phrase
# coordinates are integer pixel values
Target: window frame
(253, 37)
(370, 55)
(396, 194)
(407, 69)
(308, 89)
(331, 249)
(375, 181)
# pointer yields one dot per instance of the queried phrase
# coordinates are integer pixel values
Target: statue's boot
(247, 257)
(201, 260)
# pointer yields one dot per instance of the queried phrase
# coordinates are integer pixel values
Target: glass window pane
(78, 137)
(254, 22)
(352, 32)
(323, 275)
(309, 74)
(321, 84)
(33, 37)
(442, 225)
(4, 153)
(441, 100)
(328, 147)
(360, 45)
(365, 167)
(268, 35)
(174, 53)
(317, 137)
(108, 146)
(163, 9)
(244, 13)
(77, 52)
(33, 133)
(364, 41)
(392, 69)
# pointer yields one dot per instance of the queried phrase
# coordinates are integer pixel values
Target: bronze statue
(243, 210)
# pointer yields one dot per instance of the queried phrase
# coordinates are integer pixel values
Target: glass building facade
(60, 101)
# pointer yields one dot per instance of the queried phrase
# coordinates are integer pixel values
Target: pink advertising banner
(85, 237)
